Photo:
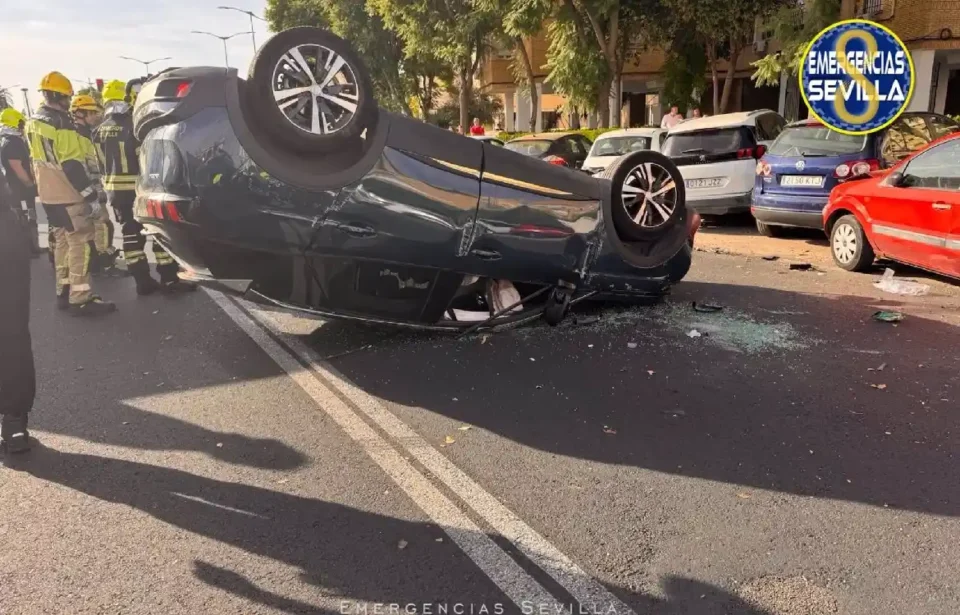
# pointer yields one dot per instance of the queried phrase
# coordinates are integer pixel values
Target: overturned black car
(292, 186)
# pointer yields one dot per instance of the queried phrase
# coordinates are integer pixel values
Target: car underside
(292, 186)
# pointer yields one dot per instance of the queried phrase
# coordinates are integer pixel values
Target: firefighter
(87, 114)
(17, 376)
(118, 149)
(15, 163)
(67, 195)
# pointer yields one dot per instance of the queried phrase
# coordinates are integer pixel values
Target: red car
(909, 213)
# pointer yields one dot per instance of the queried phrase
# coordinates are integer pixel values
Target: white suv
(718, 156)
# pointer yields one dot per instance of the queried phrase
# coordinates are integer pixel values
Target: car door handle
(357, 230)
(486, 255)
(942, 206)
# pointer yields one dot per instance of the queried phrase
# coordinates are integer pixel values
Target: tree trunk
(521, 50)
(466, 86)
(603, 105)
(616, 95)
(712, 58)
(575, 118)
(728, 81)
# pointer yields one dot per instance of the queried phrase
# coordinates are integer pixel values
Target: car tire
(769, 230)
(849, 246)
(331, 115)
(635, 177)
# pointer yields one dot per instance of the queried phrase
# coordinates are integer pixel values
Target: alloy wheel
(649, 195)
(316, 89)
(845, 243)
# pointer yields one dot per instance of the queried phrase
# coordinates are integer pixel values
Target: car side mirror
(896, 179)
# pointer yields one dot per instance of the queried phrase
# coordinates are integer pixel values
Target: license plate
(713, 182)
(814, 181)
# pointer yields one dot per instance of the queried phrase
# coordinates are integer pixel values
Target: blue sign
(857, 77)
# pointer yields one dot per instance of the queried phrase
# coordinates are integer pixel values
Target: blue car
(807, 160)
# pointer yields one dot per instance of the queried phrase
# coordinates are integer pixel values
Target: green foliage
(482, 105)
(794, 27)
(684, 71)
(283, 14)
(577, 70)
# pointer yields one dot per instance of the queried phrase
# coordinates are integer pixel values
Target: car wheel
(311, 91)
(768, 230)
(648, 195)
(849, 245)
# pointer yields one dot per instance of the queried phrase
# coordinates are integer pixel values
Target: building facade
(930, 29)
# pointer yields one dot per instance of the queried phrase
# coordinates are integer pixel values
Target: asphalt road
(201, 455)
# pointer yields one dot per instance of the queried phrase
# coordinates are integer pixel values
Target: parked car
(808, 160)
(293, 187)
(488, 139)
(565, 149)
(718, 155)
(910, 213)
(611, 145)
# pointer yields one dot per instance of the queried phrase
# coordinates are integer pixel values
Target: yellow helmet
(115, 91)
(56, 82)
(11, 118)
(84, 102)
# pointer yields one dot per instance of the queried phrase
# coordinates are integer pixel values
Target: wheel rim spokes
(845, 243)
(316, 89)
(649, 195)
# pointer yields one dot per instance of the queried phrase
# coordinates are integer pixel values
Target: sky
(83, 39)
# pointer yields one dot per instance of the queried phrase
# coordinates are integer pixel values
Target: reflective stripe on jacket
(59, 163)
(118, 150)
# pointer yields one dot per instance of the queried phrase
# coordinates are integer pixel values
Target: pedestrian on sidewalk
(17, 377)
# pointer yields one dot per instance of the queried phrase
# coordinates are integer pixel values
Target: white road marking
(494, 561)
(194, 498)
(585, 589)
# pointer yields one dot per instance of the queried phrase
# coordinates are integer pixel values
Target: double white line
(323, 383)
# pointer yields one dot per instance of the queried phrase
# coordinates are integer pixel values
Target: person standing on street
(17, 376)
(477, 129)
(15, 163)
(118, 149)
(67, 195)
(671, 119)
(87, 115)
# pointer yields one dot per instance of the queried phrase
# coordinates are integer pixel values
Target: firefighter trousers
(134, 243)
(73, 231)
(17, 377)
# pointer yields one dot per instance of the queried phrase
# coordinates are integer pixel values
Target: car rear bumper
(788, 217)
(716, 206)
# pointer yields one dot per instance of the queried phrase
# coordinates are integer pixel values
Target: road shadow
(791, 392)
(93, 374)
(337, 549)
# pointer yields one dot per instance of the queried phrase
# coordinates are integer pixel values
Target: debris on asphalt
(168, 338)
(675, 413)
(79, 369)
(484, 338)
(879, 386)
(402, 545)
(651, 372)
(439, 539)
(539, 386)
(693, 333)
(586, 320)
(589, 345)
(283, 481)
(219, 444)
(801, 267)
(882, 367)
(770, 257)
(744, 496)
(706, 308)
(126, 422)
(449, 440)
(456, 399)
(465, 428)
(884, 316)
(609, 431)
(533, 360)
(631, 345)
(900, 287)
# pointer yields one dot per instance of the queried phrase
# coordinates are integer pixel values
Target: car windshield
(529, 148)
(618, 146)
(816, 140)
(715, 141)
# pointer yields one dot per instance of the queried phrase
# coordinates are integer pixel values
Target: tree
(520, 20)
(684, 70)
(5, 98)
(453, 31)
(576, 68)
(794, 26)
(481, 105)
(725, 28)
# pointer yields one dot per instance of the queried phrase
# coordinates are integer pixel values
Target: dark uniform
(13, 147)
(118, 151)
(17, 377)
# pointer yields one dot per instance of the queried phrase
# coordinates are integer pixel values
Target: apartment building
(930, 28)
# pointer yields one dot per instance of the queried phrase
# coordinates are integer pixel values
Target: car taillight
(752, 152)
(763, 168)
(183, 88)
(856, 168)
(557, 160)
(162, 209)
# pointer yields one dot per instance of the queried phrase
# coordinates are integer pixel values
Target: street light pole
(146, 64)
(224, 39)
(252, 16)
(26, 102)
